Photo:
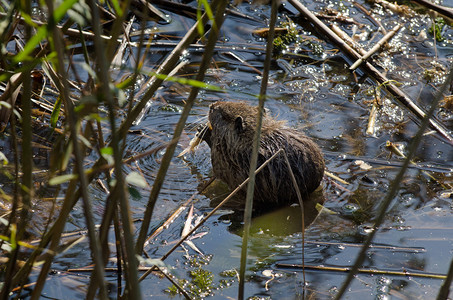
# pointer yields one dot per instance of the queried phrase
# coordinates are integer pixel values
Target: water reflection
(277, 221)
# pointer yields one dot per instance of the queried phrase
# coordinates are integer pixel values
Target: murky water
(319, 96)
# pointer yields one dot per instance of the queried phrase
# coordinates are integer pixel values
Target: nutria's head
(235, 122)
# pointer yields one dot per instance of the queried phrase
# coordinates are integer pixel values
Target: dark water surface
(319, 96)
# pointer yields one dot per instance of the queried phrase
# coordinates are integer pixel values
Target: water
(320, 97)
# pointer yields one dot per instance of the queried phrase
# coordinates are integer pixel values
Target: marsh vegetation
(99, 97)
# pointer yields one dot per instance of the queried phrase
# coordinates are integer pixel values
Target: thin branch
(180, 126)
(446, 11)
(376, 47)
(445, 288)
(234, 192)
(364, 271)
(79, 164)
(133, 288)
(394, 187)
(256, 147)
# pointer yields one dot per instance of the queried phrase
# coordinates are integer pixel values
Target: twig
(446, 11)
(392, 248)
(396, 8)
(393, 148)
(234, 192)
(345, 37)
(152, 9)
(301, 203)
(376, 47)
(181, 7)
(235, 56)
(256, 146)
(400, 95)
(102, 55)
(9, 96)
(180, 288)
(158, 182)
(335, 177)
(118, 57)
(365, 271)
(431, 167)
(372, 18)
(158, 44)
(69, 31)
(371, 128)
(178, 211)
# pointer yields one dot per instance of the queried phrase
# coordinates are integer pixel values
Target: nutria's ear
(239, 125)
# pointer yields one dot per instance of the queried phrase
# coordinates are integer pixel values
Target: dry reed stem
(376, 47)
(104, 53)
(165, 68)
(63, 87)
(256, 147)
(444, 10)
(363, 271)
(180, 288)
(394, 149)
(335, 177)
(370, 16)
(9, 96)
(26, 187)
(177, 212)
(181, 7)
(371, 128)
(158, 182)
(301, 203)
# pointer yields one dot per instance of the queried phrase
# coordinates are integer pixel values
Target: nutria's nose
(204, 132)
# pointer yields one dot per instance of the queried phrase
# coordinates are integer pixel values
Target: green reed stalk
(133, 287)
(118, 192)
(63, 87)
(394, 187)
(164, 69)
(256, 146)
(220, 5)
(12, 220)
(445, 288)
(27, 166)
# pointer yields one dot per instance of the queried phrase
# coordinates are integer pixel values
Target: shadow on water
(273, 220)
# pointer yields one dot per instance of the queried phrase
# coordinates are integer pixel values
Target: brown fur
(231, 138)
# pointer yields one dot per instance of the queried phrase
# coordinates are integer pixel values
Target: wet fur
(233, 127)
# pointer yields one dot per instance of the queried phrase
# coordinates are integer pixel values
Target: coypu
(230, 133)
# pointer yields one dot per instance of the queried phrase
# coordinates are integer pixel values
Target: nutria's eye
(239, 125)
